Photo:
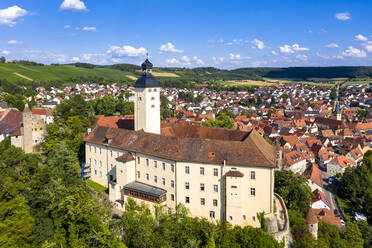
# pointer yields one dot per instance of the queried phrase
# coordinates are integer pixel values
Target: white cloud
(91, 29)
(286, 49)
(259, 44)
(94, 58)
(45, 56)
(274, 52)
(297, 47)
(73, 5)
(354, 52)
(173, 61)
(169, 47)
(185, 60)
(368, 46)
(6, 52)
(235, 56)
(126, 51)
(220, 40)
(9, 16)
(218, 60)
(343, 16)
(198, 61)
(332, 45)
(15, 42)
(301, 57)
(361, 37)
(235, 42)
(75, 59)
(67, 26)
(292, 49)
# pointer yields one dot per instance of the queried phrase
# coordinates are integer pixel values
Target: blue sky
(223, 34)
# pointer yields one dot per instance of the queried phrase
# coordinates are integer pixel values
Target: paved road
(327, 190)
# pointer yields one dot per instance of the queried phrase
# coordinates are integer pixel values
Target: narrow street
(328, 192)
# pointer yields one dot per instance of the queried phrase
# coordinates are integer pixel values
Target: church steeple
(147, 80)
(147, 101)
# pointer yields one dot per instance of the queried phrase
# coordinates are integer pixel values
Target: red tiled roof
(39, 111)
(253, 151)
(313, 173)
(320, 196)
(343, 161)
(364, 126)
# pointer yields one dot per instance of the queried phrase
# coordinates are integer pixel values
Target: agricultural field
(15, 72)
(246, 83)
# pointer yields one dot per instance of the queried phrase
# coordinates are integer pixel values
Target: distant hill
(169, 76)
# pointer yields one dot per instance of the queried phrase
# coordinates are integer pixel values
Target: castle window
(202, 187)
(201, 170)
(172, 184)
(152, 106)
(155, 164)
(172, 197)
(215, 188)
(147, 162)
(215, 203)
(95, 172)
(90, 148)
(95, 162)
(234, 187)
(163, 181)
(244, 217)
(163, 166)
(147, 176)
(215, 172)
(100, 150)
(187, 170)
(154, 90)
(172, 167)
(231, 217)
(187, 185)
(202, 201)
(138, 174)
(152, 98)
(155, 179)
(111, 153)
(150, 90)
(100, 173)
(187, 199)
(138, 160)
(95, 149)
(253, 175)
(90, 161)
(211, 214)
(139, 98)
(253, 191)
(254, 218)
(100, 164)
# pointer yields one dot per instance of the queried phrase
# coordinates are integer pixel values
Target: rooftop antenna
(147, 53)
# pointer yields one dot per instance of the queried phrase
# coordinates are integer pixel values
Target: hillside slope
(47, 73)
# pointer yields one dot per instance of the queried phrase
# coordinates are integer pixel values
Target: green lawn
(62, 72)
(97, 186)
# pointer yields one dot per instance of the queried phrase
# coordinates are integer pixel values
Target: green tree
(223, 120)
(293, 189)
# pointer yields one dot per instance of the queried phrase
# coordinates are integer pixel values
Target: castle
(216, 173)
(33, 130)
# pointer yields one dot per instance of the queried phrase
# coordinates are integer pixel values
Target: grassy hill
(47, 73)
(179, 76)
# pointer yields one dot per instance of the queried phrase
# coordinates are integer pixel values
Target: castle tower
(27, 129)
(147, 101)
(337, 110)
